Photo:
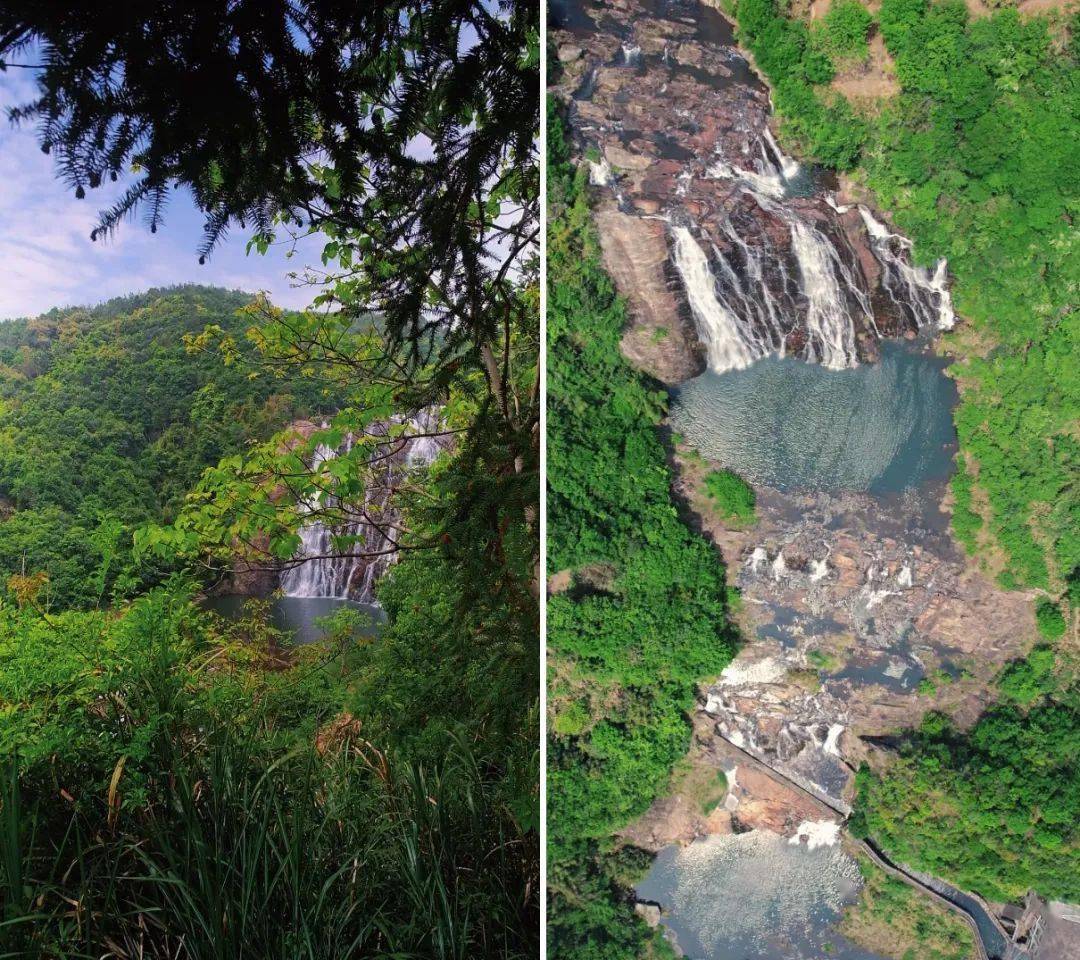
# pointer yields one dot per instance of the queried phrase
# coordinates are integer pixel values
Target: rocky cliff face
(760, 256)
(660, 337)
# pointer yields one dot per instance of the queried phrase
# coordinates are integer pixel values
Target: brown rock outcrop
(659, 339)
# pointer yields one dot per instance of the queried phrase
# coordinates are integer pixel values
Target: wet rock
(688, 114)
(898, 603)
(625, 160)
(649, 912)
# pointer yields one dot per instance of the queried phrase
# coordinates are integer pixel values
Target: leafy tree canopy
(403, 133)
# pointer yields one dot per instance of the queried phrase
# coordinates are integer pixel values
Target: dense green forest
(642, 615)
(108, 420)
(976, 158)
(995, 809)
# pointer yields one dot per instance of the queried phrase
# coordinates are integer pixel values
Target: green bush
(1026, 680)
(1049, 619)
(844, 31)
(995, 810)
(196, 804)
(824, 127)
(731, 495)
(966, 523)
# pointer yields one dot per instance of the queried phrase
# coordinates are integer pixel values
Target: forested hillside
(415, 750)
(107, 420)
(640, 614)
(993, 810)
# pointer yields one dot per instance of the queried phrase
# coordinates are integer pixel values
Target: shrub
(1049, 619)
(844, 30)
(1026, 680)
(570, 720)
(731, 495)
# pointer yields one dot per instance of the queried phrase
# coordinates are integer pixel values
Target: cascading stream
(330, 574)
(924, 295)
(829, 327)
(727, 339)
(753, 296)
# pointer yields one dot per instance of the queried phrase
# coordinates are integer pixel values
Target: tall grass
(308, 858)
(223, 833)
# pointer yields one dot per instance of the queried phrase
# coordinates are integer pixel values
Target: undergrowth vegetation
(893, 920)
(731, 496)
(643, 617)
(844, 30)
(179, 785)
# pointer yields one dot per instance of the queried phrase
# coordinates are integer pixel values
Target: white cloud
(47, 256)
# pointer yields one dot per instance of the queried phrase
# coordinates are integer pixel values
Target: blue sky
(48, 259)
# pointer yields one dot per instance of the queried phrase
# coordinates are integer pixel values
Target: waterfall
(631, 54)
(775, 266)
(920, 295)
(422, 450)
(600, 173)
(746, 310)
(776, 175)
(775, 158)
(752, 295)
(329, 574)
(825, 278)
(770, 184)
(729, 348)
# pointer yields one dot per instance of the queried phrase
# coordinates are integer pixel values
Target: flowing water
(322, 569)
(799, 289)
(762, 297)
(325, 576)
(814, 318)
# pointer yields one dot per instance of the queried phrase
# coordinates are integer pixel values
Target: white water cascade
(753, 295)
(319, 568)
(600, 173)
(777, 173)
(915, 290)
(830, 332)
(726, 337)
(747, 301)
